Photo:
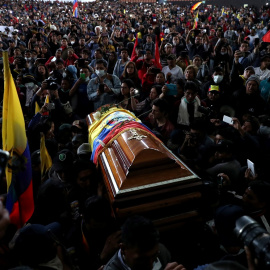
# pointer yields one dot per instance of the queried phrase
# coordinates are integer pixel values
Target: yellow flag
(45, 159)
(222, 11)
(37, 108)
(47, 100)
(13, 127)
(20, 201)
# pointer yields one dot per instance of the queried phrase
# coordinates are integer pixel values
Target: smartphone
(172, 89)
(227, 120)
(256, 41)
(101, 88)
(51, 106)
(81, 62)
(82, 76)
(197, 32)
(251, 166)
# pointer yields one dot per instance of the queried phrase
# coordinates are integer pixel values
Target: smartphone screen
(251, 166)
(227, 119)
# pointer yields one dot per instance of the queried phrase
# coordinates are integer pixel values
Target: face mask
(28, 59)
(30, 84)
(100, 73)
(223, 53)
(72, 42)
(218, 78)
(64, 74)
(174, 43)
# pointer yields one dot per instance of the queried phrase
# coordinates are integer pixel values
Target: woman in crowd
(41, 73)
(131, 72)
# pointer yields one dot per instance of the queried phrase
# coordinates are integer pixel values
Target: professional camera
(52, 86)
(256, 238)
(207, 111)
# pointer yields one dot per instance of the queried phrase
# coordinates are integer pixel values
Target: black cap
(63, 160)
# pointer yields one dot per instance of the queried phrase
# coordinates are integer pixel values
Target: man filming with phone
(105, 88)
(244, 57)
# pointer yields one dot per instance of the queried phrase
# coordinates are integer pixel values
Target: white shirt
(262, 74)
(177, 73)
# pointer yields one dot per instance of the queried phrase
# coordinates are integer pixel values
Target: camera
(256, 238)
(207, 111)
(50, 106)
(52, 86)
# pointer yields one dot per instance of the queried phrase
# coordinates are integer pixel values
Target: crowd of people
(199, 80)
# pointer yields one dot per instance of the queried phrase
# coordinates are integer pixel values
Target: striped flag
(20, 201)
(196, 21)
(75, 8)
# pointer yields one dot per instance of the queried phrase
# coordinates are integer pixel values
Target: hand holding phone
(251, 166)
(227, 120)
(172, 89)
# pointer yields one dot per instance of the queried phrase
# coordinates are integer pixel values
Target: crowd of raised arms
(200, 80)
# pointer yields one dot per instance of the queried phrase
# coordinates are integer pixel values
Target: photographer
(55, 110)
(105, 88)
(50, 64)
(80, 102)
(198, 47)
(223, 53)
(244, 57)
(195, 150)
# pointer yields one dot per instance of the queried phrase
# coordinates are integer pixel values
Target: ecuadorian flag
(20, 202)
(75, 8)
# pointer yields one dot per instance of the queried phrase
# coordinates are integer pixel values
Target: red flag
(135, 45)
(266, 37)
(157, 57)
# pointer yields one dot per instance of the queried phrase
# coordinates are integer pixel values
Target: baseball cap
(63, 160)
(250, 68)
(213, 88)
(84, 149)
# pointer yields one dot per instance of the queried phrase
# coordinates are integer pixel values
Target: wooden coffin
(142, 176)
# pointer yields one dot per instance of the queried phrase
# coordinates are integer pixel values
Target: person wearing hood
(249, 100)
